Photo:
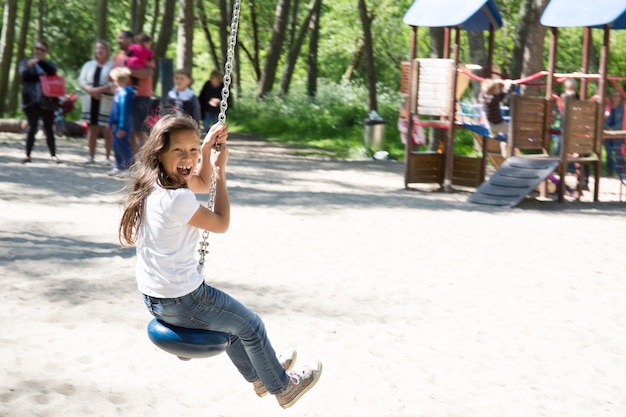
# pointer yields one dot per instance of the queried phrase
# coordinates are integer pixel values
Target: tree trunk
(369, 56)
(254, 53)
(7, 39)
(167, 28)
(314, 30)
(355, 61)
(529, 43)
(21, 47)
(138, 15)
(184, 53)
(165, 34)
(223, 30)
(275, 48)
(296, 46)
(204, 25)
(101, 19)
(436, 42)
(477, 56)
(155, 12)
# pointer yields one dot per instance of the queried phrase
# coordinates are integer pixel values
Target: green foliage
(331, 122)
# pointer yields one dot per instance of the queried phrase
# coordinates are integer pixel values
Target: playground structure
(530, 128)
(439, 101)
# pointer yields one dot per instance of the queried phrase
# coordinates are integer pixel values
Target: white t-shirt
(167, 245)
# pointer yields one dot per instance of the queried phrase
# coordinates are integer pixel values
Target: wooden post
(449, 150)
(408, 148)
(585, 62)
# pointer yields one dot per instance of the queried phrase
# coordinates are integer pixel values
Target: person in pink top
(143, 96)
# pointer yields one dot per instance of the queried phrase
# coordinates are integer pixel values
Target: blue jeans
(122, 150)
(614, 157)
(209, 308)
(208, 120)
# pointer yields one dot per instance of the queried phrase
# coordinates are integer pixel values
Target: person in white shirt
(162, 218)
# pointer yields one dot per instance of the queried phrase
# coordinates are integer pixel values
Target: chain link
(228, 67)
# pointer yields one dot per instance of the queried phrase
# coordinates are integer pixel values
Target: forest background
(305, 72)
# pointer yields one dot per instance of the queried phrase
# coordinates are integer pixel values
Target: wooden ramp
(515, 179)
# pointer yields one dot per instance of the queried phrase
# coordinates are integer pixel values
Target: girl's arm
(218, 220)
(200, 182)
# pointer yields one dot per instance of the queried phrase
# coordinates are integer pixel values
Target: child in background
(181, 97)
(120, 120)
(139, 53)
(490, 98)
(210, 98)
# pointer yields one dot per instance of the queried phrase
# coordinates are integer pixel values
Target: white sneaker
(124, 173)
(287, 360)
(109, 162)
(114, 171)
(300, 382)
(89, 160)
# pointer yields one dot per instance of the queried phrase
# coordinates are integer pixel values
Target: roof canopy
(474, 15)
(585, 13)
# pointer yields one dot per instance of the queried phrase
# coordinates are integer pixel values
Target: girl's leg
(208, 308)
(48, 122)
(32, 115)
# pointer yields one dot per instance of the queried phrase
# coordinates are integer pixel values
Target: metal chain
(228, 67)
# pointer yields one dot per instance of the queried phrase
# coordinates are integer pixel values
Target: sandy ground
(417, 302)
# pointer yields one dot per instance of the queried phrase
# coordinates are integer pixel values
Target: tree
(101, 19)
(314, 29)
(138, 15)
(368, 47)
(7, 40)
(204, 25)
(529, 43)
(296, 45)
(184, 52)
(21, 47)
(275, 48)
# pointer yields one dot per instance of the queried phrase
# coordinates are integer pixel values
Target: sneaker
(55, 159)
(114, 171)
(287, 360)
(89, 160)
(26, 160)
(300, 382)
(124, 173)
(109, 162)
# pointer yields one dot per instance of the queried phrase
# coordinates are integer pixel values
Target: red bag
(52, 85)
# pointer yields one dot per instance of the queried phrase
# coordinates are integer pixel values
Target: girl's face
(181, 158)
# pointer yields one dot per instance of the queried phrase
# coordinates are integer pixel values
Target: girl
(162, 218)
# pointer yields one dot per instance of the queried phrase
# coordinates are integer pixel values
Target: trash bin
(374, 134)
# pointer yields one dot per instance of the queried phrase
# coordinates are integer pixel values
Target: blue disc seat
(187, 343)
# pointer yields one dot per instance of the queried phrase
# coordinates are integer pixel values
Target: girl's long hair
(147, 172)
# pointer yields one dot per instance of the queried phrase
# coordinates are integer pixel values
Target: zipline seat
(187, 343)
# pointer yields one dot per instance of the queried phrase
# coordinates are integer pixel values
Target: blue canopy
(474, 15)
(585, 13)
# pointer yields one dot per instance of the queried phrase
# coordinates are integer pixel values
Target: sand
(417, 302)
